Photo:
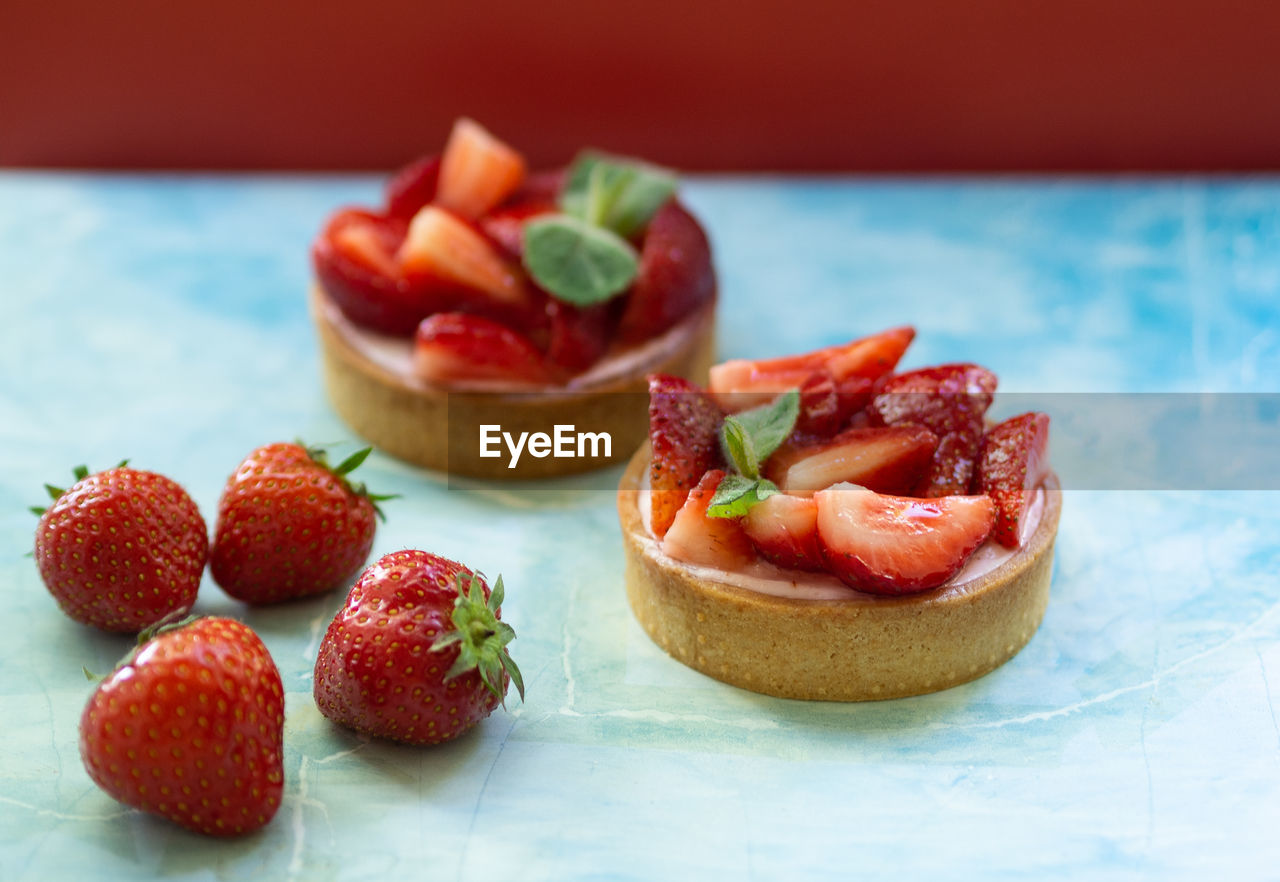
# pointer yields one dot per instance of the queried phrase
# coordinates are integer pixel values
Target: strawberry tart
(823, 526)
(481, 294)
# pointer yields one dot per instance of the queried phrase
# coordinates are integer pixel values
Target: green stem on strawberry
(319, 455)
(748, 439)
(481, 638)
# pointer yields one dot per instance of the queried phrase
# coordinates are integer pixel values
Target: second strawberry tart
(822, 527)
(483, 295)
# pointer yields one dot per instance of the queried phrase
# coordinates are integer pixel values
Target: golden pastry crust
(432, 427)
(860, 649)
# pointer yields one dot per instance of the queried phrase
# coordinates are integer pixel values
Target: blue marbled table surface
(162, 318)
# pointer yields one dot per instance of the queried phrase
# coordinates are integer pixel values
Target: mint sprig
(617, 193)
(748, 439)
(581, 254)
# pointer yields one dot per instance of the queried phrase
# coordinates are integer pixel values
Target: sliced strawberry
(477, 171)
(826, 404)
(412, 187)
(950, 401)
(676, 275)
(889, 459)
(784, 530)
(355, 265)
(739, 384)
(1015, 459)
(897, 545)
(684, 436)
(577, 336)
(440, 250)
(505, 225)
(697, 539)
(452, 346)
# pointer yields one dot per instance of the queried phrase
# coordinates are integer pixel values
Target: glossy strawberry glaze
(765, 578)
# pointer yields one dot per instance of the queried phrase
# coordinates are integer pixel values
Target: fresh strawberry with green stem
(121, 549)
(684, 441)
(290, 526)
(1015, 460)
(418, 653)
(191, 727)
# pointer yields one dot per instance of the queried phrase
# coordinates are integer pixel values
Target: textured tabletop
(163, 319)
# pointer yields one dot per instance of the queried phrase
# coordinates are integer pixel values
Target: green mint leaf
(770, 424)
(576, 262)
(737, 494)
(617, 193)
(739, 448)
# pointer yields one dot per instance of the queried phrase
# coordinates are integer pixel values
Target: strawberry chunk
(897, 545)
(784, 530)
(477, 171)
(826, 404)
(439, 249)
(684, 437)
(890, 459)
(452, 346)
(676, 275)
(355, 265)
(739, 384)
(948, 400)
(1015, 459)
(578, 336)
(412, 187)
(697, 539)
(505, 225)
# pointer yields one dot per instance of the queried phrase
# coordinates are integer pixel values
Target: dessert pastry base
(859, 649)
(440, 429)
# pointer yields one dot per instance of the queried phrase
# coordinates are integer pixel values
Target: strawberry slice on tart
(949, 400)
(706, 541)
(739, 384)
(890, 459)
(897, 545)
(684, 433)
(1015, 461)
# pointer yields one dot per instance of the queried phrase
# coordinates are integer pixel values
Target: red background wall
(759, 84)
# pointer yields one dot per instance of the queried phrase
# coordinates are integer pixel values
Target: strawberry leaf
(577, 262)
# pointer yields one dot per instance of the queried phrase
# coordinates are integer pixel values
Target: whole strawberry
(290, 526)
(121, 549)
(191, 727)
(418, 653)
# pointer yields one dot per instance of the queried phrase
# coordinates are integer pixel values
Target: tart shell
(439, 429)
(861, 649)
